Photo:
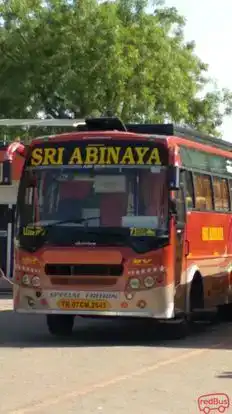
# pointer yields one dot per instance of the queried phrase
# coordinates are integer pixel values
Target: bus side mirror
(173, 177)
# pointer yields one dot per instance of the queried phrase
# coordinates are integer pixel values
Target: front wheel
(60, 325)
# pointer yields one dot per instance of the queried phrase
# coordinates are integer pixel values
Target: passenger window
(203, 192)
(180, 207)
(221, 194)
(188, 189)
(230, 192)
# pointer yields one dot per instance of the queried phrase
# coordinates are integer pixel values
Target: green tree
(73, 58)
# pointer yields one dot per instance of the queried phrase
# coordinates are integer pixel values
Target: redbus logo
(213, 403)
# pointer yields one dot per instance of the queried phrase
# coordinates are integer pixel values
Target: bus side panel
(210, 250)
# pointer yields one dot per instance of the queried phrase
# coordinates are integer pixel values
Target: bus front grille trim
(53, 269)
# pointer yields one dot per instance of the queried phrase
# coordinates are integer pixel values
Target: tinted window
(188, 189)
(192, 158)
(203, 192)
(230, 191)
(221, 194)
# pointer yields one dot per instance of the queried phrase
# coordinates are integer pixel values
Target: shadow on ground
(25, 331)
(225, 375)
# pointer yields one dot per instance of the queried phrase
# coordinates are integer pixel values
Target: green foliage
(83, 56)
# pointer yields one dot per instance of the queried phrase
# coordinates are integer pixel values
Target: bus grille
(83, 270)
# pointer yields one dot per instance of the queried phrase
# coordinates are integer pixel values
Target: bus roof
(115, 124)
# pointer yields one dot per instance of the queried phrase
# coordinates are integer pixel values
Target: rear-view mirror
(173, 177)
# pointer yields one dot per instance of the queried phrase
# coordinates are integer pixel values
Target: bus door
(180, 242)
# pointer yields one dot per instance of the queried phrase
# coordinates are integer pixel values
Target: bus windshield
(63, 205)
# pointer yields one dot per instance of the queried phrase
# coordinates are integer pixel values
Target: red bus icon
(218, 402)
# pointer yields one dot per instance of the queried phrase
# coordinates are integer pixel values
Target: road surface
(109, 368)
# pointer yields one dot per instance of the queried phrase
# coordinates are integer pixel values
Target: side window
(221, 194)
(188, 189)
(203, 192)
(230, 191)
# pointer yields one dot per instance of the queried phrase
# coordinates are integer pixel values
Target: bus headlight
(149, 282)
(35, 281)
(134, 283)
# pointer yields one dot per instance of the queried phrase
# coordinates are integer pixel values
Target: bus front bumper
(154, 303)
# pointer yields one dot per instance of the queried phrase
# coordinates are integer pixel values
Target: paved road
(108, 368)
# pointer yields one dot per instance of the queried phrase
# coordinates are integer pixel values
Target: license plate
(83, 304)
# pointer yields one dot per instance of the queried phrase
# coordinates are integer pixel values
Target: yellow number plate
(83, 304)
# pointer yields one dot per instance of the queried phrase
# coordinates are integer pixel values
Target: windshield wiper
(138, 244)
(71, 220)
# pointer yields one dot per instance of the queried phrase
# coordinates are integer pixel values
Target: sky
(209, 24)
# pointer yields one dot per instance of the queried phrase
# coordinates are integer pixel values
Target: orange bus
(118, 220)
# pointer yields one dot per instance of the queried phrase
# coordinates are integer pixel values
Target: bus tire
(225, 312)
(60, 325)
(196, 293)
